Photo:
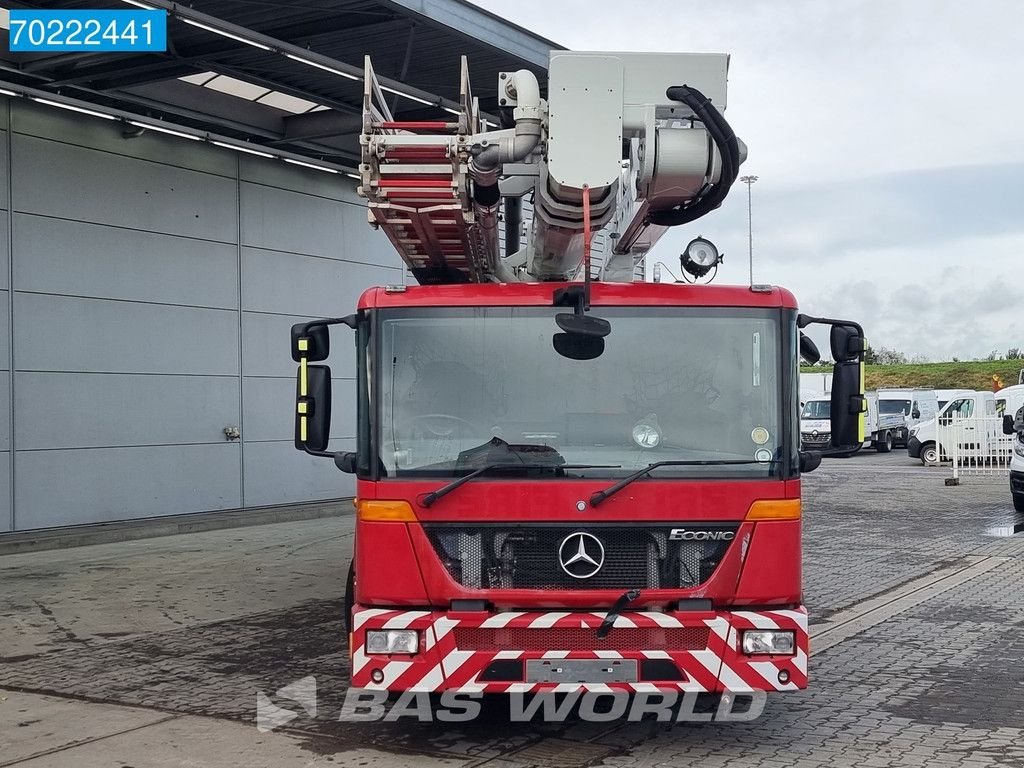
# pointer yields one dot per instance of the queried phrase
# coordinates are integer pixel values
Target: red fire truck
(567, 478)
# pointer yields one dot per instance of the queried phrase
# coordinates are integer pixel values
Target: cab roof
(602, 294)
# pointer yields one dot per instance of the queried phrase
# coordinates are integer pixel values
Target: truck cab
(530, 517)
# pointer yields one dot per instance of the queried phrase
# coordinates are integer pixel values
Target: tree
(1015, 353)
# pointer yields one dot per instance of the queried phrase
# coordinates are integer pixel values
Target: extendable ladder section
(415, 177)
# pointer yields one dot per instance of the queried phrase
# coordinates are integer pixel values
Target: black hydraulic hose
(486, 195)
(513, 222)
(728, 147)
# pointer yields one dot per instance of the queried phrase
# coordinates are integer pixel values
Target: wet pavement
(157, 649)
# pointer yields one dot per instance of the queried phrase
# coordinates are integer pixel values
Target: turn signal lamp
(774, 509)
(384, 511)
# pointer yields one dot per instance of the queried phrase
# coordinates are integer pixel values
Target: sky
(888, 138)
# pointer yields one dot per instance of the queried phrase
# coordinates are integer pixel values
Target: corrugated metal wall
(154, 281)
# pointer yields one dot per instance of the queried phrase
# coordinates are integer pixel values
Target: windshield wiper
(600, 496)
(444, 490)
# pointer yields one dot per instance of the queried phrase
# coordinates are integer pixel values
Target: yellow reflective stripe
(302, 429)
(861, 418)
(303, 407)
(302, 378)
(303, 345)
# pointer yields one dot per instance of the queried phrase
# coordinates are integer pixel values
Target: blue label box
(34, 31)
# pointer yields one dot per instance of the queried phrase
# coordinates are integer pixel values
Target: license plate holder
(581, 671)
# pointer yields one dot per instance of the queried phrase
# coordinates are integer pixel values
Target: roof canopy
(287, 74)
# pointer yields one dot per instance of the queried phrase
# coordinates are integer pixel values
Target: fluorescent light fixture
(309, 165)
(161, 129)
(238, 148)
(83, 110)
(408, 96)
(222, 33)
(5, 92)
(332, 70)
(139, 5)
(453, 111)
(355, 176)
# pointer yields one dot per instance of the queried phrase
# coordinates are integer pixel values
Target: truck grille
(579, 639)
(527, 557)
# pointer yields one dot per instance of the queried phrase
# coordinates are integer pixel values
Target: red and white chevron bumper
(488, 652)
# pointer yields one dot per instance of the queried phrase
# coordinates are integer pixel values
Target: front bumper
(914, 448)
(488, 652)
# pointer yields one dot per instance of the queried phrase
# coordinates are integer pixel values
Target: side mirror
(313, 408)
(809, 461)
(312, 340)
(848, 405)
(915, 414)
(809, 350)
(1008, 425)
(847, 342)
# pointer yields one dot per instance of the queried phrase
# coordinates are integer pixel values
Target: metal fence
(975, 445)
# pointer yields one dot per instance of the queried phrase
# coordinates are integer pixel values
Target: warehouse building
(160, 232)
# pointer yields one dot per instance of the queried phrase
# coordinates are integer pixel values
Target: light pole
(749, 181)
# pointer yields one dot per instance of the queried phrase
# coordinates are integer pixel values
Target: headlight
(392, 641)
(1018, 448)
(776, 642)
(646, 433)
(914, 431)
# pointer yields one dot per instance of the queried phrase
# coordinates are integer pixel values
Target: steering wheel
(444, 424)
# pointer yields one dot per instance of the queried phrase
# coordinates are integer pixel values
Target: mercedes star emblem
(581, 555)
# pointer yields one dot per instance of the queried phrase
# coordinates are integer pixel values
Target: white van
(915, 405)
(945, 395)
(923, 443)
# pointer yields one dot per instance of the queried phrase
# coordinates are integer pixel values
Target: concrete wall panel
(70, 487)
(84, 410)
(276, 473)
(60, 333)
(123, 191)
(291, 284)
(5, 492)
(78, 259)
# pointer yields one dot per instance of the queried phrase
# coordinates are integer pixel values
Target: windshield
(465, 388)
(816, 409)
(890, 407)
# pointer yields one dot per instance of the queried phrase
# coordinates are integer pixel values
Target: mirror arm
(802, 321)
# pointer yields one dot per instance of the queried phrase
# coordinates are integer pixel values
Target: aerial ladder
(632, 143)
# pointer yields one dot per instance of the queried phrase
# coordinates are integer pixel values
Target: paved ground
(151, 653)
